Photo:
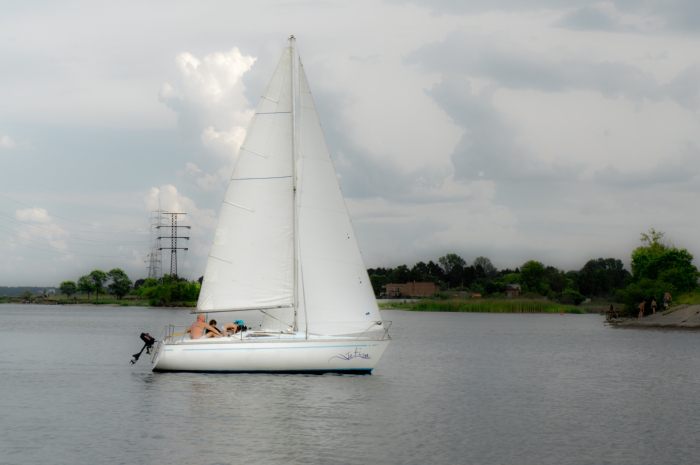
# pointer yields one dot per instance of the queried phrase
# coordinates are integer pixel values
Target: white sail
(251, 262)
(337, 295)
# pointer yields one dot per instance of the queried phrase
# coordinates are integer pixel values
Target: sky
(512, 129)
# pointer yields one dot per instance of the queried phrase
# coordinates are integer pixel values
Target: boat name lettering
(351, 355)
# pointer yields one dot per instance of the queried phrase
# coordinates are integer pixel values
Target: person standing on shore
(641, 309)
(653, 306)
(667, 300)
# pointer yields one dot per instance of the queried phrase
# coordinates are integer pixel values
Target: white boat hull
(231, 355)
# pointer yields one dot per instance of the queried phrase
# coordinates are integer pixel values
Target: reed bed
(485, 306)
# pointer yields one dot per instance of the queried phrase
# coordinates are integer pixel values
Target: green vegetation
(167, 292)
(68, 288)
(97, 279)
(485, 306)
(656, 268)
(170, 292)
(120, 285)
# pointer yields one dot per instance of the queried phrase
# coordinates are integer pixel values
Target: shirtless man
(641, 309)
(667, 300)
(197, 329)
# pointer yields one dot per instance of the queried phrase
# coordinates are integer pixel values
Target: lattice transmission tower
(173, 240)
(155, 256)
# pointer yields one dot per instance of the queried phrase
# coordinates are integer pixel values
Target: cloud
(7, 143)
(209, 99)
(590, 18)
(170, 200)
(521, 69)
(45, 227)
(676, 16)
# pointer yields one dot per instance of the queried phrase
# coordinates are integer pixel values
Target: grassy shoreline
(126, 301)
(484, 306)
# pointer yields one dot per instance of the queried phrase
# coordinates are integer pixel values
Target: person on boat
(667, 300)
(641, 309)
(196, 331)
(210, 333)
(234, 327)
(653, 306)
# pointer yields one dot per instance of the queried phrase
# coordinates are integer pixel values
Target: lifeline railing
(384, 327)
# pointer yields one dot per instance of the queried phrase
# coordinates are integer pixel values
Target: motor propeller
(148, 342)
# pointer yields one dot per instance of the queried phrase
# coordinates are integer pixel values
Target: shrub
(570, 296)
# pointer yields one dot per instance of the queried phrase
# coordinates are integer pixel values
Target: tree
(487, 266)
(449, 261)
(435, 270)
(658, 261)
(378, 283)
(120, 285)
(97, 278)
(139, 282)
(532, 275)
(401, 274)
(68, 288)
(26, 295)
(602, 276)
(85, 285)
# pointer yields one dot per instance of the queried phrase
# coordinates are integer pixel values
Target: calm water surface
(451, 388)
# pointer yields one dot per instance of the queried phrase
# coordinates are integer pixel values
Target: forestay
(251, 262)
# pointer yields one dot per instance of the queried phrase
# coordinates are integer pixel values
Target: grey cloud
(671, 15)
(590, 19)
(682, 168)
(363, 175)
(685, 88)
(488, 147)
(520, 69)
(464, 7)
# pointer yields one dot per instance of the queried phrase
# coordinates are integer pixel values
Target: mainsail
(265, 230)
(251, 262)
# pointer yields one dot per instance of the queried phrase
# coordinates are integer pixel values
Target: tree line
(656, 265)
(93, 283)
(159, 292)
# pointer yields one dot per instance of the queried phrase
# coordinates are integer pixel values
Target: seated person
(234, 327)
(210, 333)
(196, 331)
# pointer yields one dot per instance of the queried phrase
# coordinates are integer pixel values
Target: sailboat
(285, 246)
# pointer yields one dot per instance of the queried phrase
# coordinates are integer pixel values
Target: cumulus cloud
(210, 102)
(39, 224)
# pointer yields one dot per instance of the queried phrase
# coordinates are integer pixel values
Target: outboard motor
(148, 342)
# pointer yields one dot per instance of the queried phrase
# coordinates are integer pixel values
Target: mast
(294, 186)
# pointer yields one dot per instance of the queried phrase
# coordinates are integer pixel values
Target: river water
(451, 388)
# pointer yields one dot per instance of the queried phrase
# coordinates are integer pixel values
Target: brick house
(512, 290)
(411, 289)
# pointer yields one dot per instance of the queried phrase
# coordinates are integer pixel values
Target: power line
(67, 219)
